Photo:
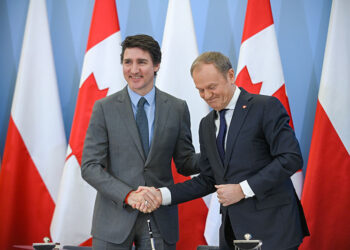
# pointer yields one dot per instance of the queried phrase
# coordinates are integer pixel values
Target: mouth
(210, 100)
(135, 77)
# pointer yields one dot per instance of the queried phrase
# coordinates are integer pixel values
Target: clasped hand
(229, 194)
(145, 199)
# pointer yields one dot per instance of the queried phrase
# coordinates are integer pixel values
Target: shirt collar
(234, 99)
(134, 97)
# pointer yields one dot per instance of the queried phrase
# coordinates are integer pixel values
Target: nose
(134, 68)
(207, 94)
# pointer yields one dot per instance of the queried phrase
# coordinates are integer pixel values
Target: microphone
(150, 234)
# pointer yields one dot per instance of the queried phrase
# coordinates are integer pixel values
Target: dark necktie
(220, 140)
(142, 124)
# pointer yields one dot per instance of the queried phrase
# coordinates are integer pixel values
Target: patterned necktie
(142, 124)
(220, 140)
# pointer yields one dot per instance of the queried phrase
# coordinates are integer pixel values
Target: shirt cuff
(248, 192)
(126, 198)
(166, 196)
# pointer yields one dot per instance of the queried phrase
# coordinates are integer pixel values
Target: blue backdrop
(301, 28)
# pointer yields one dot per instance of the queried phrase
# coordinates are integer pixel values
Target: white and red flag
(259, 69)
(179, 49)
(326, 198)
(35, 146)
(101, 76)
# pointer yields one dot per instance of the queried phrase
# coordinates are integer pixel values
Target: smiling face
(138, 70)
(216, 89)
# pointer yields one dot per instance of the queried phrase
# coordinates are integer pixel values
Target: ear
(231, 75)
(156, 67)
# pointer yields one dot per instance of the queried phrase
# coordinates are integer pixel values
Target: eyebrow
(137, 59)
(142, 60)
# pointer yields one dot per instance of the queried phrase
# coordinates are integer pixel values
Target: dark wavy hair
(144, 42)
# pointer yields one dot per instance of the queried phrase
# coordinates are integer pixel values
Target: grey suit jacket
(113, 161)
(261, 148)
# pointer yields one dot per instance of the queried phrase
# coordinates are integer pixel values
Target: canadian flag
(101, 76)
(179, 49)
(326, 198)
(259, 64)
(35, 146)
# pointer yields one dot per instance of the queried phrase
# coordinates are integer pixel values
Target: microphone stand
(150, 234)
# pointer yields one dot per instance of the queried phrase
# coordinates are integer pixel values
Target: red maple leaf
(89, 93)
(243, 80)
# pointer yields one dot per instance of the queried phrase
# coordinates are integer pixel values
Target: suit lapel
(127, 115)
(160, 119)
(238, 118)
(212, 136)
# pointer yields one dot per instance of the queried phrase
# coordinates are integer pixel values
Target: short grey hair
(220, 61)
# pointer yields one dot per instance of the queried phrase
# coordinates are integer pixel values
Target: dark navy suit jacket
(262, 149)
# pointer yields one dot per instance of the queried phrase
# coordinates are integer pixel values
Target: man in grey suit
(248, 153)
(131, 140)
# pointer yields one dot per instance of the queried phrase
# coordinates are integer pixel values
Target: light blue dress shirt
(150, 107)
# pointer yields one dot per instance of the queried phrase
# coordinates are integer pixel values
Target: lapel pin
(244, 106)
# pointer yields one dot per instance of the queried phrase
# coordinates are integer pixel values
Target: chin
(213, 105)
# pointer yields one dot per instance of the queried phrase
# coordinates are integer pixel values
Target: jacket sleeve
(185, 158)
(284, 150)
(95, 159)
(198, 186)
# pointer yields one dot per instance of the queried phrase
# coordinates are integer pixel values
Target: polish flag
(326, 198)
(101, 76)
(35, 144)
(179, 49)
(259, 64)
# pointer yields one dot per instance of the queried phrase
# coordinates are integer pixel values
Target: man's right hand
(150, 201)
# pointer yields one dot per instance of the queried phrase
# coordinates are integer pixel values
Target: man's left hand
(229, 194)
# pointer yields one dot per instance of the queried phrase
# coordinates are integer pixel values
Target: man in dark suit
(132, 137)
(248, 153)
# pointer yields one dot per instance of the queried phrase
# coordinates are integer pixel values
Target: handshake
(145, 199)
(148, 199)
